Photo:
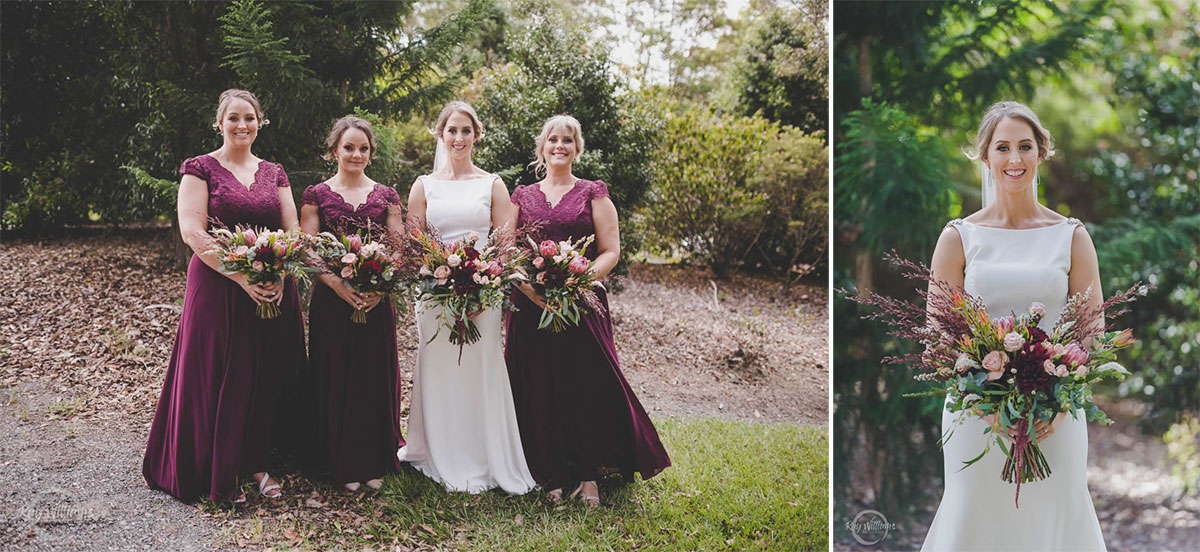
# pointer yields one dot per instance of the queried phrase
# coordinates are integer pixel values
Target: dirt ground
(87, 325)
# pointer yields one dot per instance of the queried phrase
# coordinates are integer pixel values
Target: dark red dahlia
(472, 253)
(1031, 374)
(371, 266)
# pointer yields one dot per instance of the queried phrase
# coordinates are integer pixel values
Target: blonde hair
(457, 107)
(556, 122)
(1014, 110)
(339, 128)
(237, 93)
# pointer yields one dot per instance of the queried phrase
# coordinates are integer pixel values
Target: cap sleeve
(599, 189)
(391, 196)
(281, 179)
(519, 193)
(310, 196)
(194, 167)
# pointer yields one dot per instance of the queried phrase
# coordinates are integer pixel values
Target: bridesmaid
(357, 364)
(214, 419)
(569, 438)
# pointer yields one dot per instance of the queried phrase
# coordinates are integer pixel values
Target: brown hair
(1015, 110)
(237, 93)
(457, 107)
(558, 121)
(340, 128)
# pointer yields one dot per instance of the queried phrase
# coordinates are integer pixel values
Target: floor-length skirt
(215, 422)
(579, 418)
(978, 509)
(462, 427)
(357, 368)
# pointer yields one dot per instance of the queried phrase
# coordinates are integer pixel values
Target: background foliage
(1116, 83)
(117, 94)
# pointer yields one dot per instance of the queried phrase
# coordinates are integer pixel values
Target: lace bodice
(337, 214)
(571, 219)
(233, 203)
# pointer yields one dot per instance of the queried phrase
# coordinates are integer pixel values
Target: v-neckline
(546, 198)
(254, 179)
(353, 208)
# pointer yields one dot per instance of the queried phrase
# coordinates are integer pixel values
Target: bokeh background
(1116, 83)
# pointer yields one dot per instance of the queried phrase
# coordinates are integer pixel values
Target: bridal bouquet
(464, 280)
(1007, 369)
(263, 256)
(561, 273)
(367, 264)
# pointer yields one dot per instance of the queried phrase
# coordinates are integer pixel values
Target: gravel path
(66, 484)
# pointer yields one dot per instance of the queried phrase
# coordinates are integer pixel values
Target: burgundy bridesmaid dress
(579, 419)
(357, 366)
(216, 417)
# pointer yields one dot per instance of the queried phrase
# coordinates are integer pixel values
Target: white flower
(1107, 366)
(965, 363)
(453, 260)
(425, 271)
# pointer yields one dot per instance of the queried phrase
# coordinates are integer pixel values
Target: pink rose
(441, 273)
(578, 265)
(1059, 349)
(354, 241)
(495, 268)
(540, 278)
(349, 258)
(548, 248)
(1013, 341)
(256, 265)
(994, 364)
(539, 262)
(479, 279)
(453, 260)
(241, 251)
(1037, 309)
(1048, 366)
(1082, 370)
(347, 272)
(1074, 355)
(1061, 371)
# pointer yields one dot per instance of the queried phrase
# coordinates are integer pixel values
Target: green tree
(889, 193)
(516, 97)
(140, 80)
(783, 72)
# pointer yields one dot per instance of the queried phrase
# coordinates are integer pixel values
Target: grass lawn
(733, 486)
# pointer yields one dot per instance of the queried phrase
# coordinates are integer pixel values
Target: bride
(462, 427)
(1011, 253)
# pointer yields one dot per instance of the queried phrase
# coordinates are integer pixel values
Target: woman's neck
(1015, 209)
(560, 176)
(235, 155)
(345, 179)
(460, 168)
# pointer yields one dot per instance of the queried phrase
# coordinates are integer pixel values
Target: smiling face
(459, 135)
(239, 123)
(353, 151)
(1012, 156)
(559, 147)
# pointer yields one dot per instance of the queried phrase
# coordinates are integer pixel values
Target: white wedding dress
(1010, 269)
(462, 426)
